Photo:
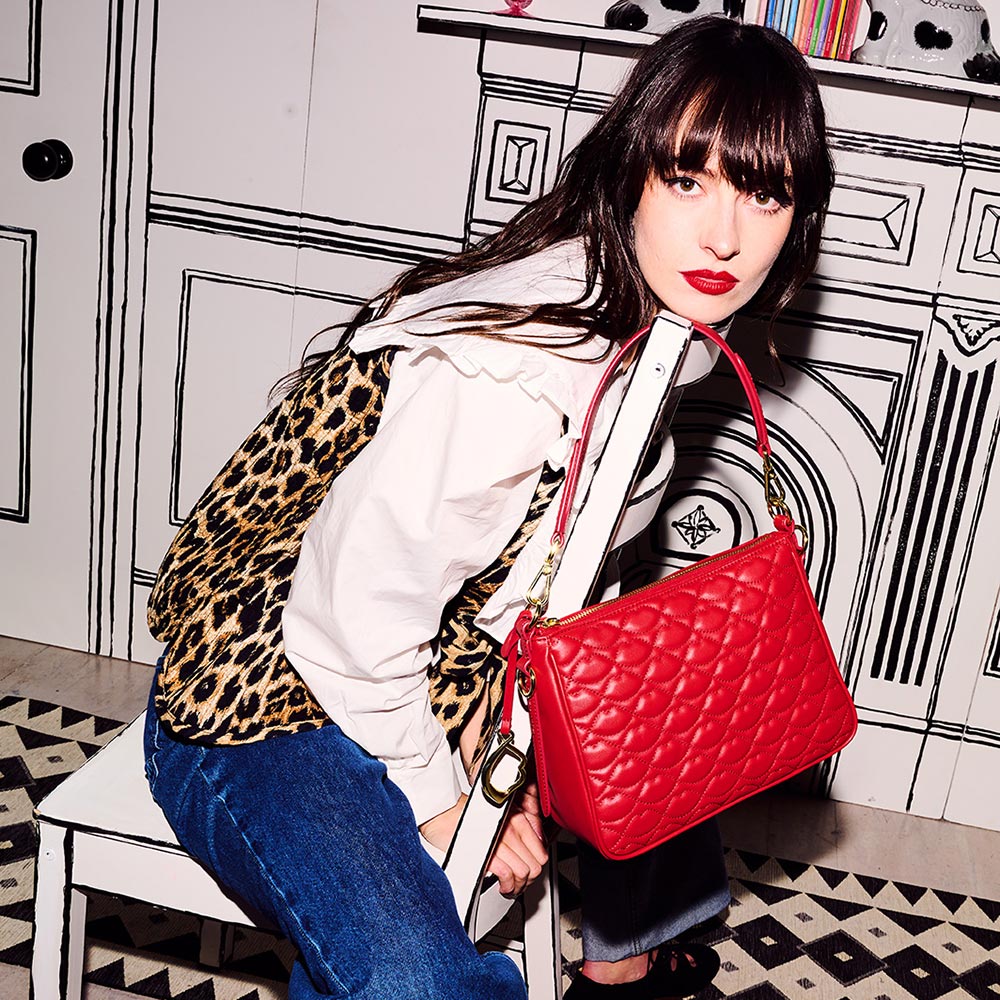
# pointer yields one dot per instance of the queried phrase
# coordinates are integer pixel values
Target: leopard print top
(222, 586)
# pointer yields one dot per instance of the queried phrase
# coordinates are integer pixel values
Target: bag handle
(580, 448)
(537, 596)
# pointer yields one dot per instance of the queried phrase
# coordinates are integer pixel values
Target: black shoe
(681, 970)
(678, 971)
(583, 988)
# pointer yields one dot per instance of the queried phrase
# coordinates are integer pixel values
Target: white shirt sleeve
(429, 502)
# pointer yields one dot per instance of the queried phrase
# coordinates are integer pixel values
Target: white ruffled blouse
(467, 425)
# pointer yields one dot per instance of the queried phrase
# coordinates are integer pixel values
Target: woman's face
(704, 247)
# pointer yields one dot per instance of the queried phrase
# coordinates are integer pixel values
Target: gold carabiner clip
(505, 748)
(774, 492)
(540, 601)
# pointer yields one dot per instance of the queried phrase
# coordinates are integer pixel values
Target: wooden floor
(838, 835)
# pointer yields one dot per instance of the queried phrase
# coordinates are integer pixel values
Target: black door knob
(48, 160)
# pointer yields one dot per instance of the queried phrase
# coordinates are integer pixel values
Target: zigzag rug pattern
(40, 745)
(794, 932)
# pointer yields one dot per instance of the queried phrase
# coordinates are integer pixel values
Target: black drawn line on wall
(967, 426)
(27, 238)
(29, 87)
(188, 278)
(477, 150)
(108, 275)
(541, 140)
(861, 620)
(136, 441)
(590, 102)
(979, 155)
(914, 517)
(906, 509)
(981, 737)
(948, 628)
(937, 491)
(908, 338)
(808, 493)
(867, 291)
(814, 368)
(950, 732)
(525, 90)
(130, 246)
(302, 230)
(123, 248)
(911, 194)
(991, 666)
(143, 578)
(975, 231)
(896, 147)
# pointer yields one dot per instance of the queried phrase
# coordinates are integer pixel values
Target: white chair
(101, 830)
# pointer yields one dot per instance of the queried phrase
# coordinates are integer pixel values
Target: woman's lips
(710, 282)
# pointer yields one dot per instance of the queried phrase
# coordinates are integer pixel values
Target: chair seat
(109, 794)
(107, 809)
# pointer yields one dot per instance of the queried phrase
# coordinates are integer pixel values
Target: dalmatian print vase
(659, 16)
(951, 37)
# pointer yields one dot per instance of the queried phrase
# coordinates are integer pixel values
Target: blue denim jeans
(310, 832)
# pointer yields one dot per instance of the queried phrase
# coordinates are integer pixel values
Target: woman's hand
(521, 852)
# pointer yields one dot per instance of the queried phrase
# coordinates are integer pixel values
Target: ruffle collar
(544, 361)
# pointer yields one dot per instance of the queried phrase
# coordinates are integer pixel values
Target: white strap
(654, 375)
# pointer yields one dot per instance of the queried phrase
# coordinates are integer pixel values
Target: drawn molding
(971, 331)
(878, 427)
(872, 219)
(518, 154)
(176, 515)
(981, 246)
(992, 668)
(23, 79)
(931, 517)
(17, 409)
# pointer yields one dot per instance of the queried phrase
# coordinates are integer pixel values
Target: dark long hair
(712, 85)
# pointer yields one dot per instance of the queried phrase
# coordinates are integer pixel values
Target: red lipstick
(710, 282)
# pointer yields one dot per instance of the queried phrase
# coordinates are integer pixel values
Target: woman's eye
(686, 185)
(767, 202)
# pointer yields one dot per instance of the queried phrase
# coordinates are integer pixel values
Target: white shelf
(442, 17)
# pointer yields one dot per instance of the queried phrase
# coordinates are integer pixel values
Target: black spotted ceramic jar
(659, 16)
(951, 37)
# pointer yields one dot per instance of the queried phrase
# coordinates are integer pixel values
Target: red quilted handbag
(654, 711)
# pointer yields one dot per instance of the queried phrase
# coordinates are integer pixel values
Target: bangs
(760, 131)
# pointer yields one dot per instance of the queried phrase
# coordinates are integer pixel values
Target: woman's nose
(720, 233)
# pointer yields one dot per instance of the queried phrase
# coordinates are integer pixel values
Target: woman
(405, 483)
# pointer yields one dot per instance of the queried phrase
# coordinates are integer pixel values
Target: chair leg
(542, 952)
(60, 920)
(216, 943)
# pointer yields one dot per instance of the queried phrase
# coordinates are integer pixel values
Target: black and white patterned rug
(794, 932)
